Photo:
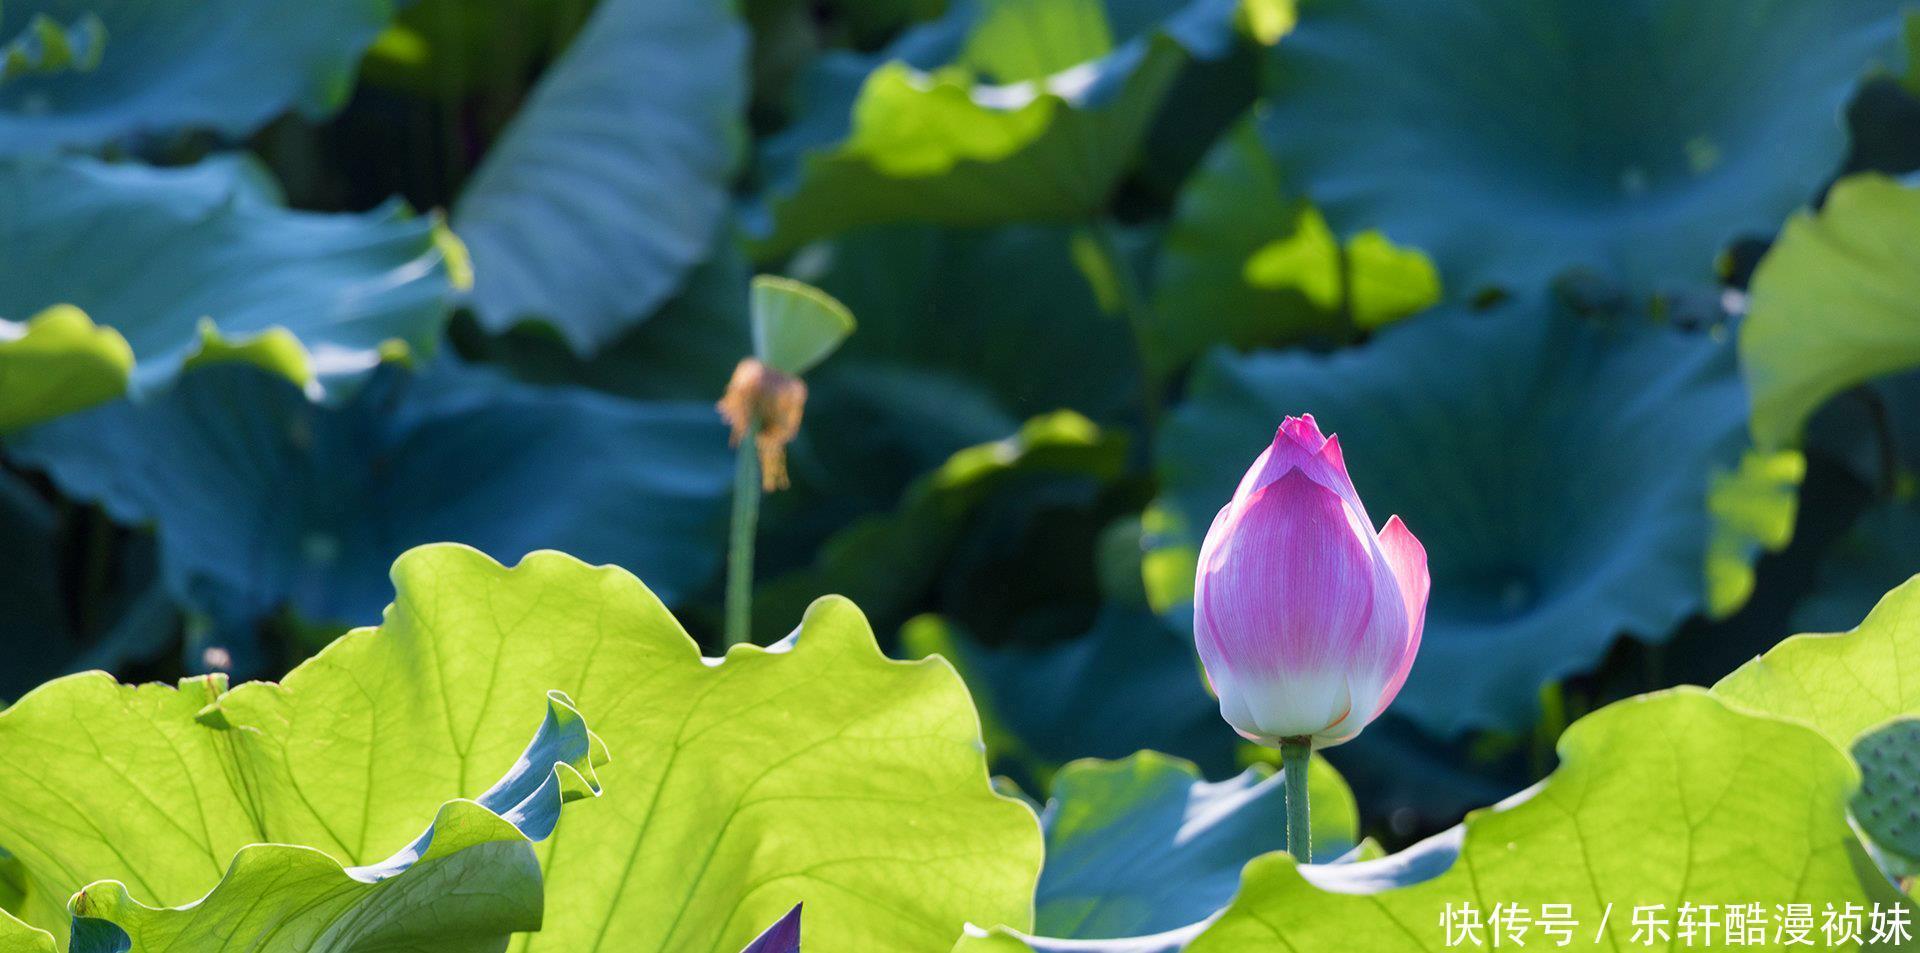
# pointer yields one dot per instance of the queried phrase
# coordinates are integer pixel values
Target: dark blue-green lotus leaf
(262, 499)
(46, 632)
(1513, 140)
(1145, 844)
(1129, 683)
(612, 181)
(1002, 110)
(228, 66)
(203, 263)
(1555, 466)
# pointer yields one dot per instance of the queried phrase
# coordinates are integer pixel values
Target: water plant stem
(746, 520)
(1294, 755)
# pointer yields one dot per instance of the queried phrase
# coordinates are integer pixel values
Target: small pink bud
(1307, 621)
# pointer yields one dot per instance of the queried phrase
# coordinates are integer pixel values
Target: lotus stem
(746, 519)
(1294, 755)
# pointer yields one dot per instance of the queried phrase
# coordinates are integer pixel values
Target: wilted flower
(767, 405)
(1307, 621)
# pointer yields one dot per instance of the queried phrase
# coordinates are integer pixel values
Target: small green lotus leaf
(1887, 804)
(1753, 507)
(612, 181)
(1146, 845)
(202, 264)
(132, 68)
(795, 325)
(1656, 801)
(1247, 262)
(58, 362)
(1557, 469)
(44, 46)
(1839, 683)
(222, 844)
(1834, 304)
(1565, 136)
(263, 500)
(1001, 111)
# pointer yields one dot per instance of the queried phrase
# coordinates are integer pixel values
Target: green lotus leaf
(1832, 304)
(17, 937)
(262, 499)
(889, 562)
(1248, 262)
(1656, 801)
(1001, 111)
(1619, 141)
(818, 770)
(612, 181)
(477, 879)
(1420, 862)
(44, 46)
(1557, 469)
(202, 264)
(58, 362)
(176, 826)
(1754, 506)
(1145, 845)
(1841, 683)
(1888, 802)
(172, 66)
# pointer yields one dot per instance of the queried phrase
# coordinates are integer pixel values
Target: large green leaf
(1247, 262)
(818, 770)
(612, 181)
(224, 65)
(1835, 303)
(1556, 468)
(1145, 845)
(202, 264)
(262, 499)
(1839, 683)
(1633, 141)
(1657, 800)
(1004, 110)
(178, 825)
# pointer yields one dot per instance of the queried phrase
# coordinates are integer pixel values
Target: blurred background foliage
(477, 271)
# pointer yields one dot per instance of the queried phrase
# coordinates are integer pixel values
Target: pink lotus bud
(1307, 621)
